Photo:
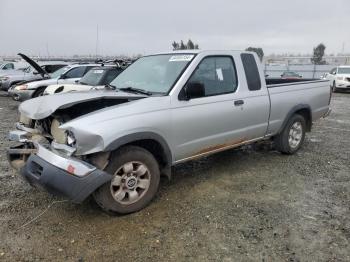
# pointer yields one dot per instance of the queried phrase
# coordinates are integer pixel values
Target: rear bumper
(59, 175)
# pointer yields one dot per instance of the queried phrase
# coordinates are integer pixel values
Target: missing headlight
(59, 135)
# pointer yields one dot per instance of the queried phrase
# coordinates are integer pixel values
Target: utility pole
(47, 50)
(97, 42)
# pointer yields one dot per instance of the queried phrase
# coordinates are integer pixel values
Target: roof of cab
(199, 51)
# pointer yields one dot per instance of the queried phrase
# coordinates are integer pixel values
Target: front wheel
(134, 184)
(292, 136)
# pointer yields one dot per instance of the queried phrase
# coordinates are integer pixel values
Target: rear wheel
(292, 136)
(134, 184)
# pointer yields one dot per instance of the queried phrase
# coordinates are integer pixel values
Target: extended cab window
(217, 75)
(76, 72)
(251, 72)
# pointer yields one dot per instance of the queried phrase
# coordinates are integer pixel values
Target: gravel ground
(250, 204)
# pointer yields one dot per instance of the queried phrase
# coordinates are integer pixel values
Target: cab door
(214, 121)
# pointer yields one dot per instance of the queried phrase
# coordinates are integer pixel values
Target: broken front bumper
(56, 172)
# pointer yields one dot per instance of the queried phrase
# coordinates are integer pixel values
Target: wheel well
(305, 112)
(40, 88)
(156, 149)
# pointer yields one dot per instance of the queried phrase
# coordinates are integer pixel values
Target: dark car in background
(290, 75)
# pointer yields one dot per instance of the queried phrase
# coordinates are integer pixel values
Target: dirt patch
(248, 204)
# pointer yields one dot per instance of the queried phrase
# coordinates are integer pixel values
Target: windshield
(344, 70)
(59, 72)
(155, 74)
(92, 77)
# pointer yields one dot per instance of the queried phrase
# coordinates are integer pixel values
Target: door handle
(239, 102)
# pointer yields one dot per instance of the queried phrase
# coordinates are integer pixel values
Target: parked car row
(32, 72)
(58, 77)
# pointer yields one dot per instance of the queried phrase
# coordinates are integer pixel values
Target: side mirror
(76, 81)
(193, 90)
(35, 73)
(63, 76)
(334, 73)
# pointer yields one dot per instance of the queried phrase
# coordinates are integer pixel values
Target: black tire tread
(281, 140)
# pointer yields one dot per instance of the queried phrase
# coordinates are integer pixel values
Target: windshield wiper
(109, 86)
(136, 90)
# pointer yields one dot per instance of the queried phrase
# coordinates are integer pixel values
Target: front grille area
(36, 169)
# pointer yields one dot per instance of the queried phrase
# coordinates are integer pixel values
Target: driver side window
(216, 74)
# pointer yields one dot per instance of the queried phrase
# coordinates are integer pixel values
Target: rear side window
(251, 72)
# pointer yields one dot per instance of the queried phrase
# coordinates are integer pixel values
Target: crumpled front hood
(44, 106)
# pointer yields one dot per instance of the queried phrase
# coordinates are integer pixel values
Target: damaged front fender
(86, 142)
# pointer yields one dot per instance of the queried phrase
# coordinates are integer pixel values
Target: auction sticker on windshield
(178, 58)
(98, 71)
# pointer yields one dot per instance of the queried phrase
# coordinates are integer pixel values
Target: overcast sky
(67, 27)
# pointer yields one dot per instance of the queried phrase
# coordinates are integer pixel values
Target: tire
(39, 92)
(118, 195)
(292, 136)
(334, 87)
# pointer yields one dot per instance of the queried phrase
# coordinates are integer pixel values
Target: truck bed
(274, 82)
(288, 93)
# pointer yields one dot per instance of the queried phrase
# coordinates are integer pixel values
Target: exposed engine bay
(46, 131)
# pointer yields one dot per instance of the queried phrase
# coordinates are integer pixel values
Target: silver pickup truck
(162, 110)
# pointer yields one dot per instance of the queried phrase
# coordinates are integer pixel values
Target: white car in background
(65, 75)
(339, 78)
(95, 78)
(7, 66)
